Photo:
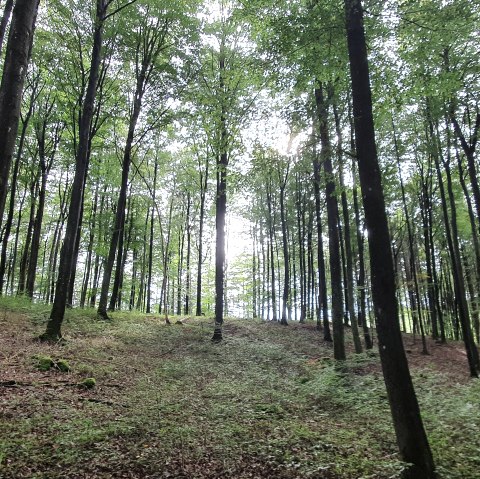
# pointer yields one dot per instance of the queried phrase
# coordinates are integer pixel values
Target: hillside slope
(268, 402)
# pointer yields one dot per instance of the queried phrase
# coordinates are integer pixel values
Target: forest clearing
(267, 402)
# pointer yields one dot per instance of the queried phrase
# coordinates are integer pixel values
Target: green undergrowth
(266, 402)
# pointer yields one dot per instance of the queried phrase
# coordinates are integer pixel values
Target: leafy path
(268, 402)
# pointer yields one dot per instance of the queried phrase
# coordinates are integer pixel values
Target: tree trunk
(333, 221)
(22, 275)
(4, 21)
(11, 88)
(286, 256)
(150, 243)
(271, 229)
(411, 437)
(201, 221)
(188, 285)
(348, 242)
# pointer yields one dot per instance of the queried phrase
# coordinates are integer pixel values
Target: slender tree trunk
(286, 256)
(220, 215)
(271, 226)
(141, 290)
(13, 261)
(22, 275)
(322, 278)
(333, 233)
(411, 437)
(36, 236)
(348, 242)
(201, 222)
(122, 250)
(188, 285)
(150, 243)
(300, 210)
(88, 263)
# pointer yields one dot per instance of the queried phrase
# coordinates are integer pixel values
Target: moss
(43, 363)
(88, 383)
(62, 365)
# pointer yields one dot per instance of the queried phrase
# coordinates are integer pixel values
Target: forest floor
(267, 402)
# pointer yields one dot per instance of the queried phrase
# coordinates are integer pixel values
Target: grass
(267, 402)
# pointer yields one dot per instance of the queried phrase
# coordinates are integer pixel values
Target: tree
(411, 437)
(11, 88)
(152, 36)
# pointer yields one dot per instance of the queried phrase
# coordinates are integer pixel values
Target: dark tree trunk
(4, 21)
(181, 255)
(469, 150)
(11, 88)
(264, 298)
(333, 221)
(348, 274)
(361, 283)
(310, 268)
(133, 284)
(322, 277)
(411, 437)
(220, 216)
(22, 275)
(475, 275)
(462, 305)
(36, 232)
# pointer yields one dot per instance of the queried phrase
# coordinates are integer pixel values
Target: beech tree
(18, 49)
(411, 437)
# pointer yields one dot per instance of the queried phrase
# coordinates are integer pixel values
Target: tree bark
(11, 88)
(7, 11)
(332, 221)
(411, 437)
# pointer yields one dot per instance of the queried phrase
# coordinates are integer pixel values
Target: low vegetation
(163, 401)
